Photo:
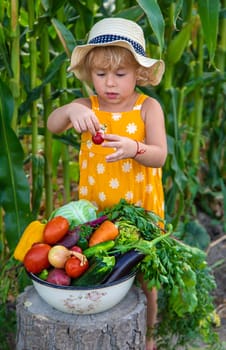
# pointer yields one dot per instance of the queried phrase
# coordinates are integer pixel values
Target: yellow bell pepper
(33, 233)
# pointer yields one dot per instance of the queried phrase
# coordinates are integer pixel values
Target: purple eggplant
(70, 239)
(125, 263)
(97, 221)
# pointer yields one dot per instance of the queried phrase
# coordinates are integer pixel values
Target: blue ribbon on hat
(106, 38)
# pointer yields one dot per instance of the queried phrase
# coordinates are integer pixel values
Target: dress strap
(94, 102)
(138, 104)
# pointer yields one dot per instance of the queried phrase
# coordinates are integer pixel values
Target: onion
(58, 256)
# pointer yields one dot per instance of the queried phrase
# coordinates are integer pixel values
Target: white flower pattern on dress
(116, 116)
(100, 168)
(114, 183)
(102, 196)
(84, 190)
(91, 180)
(139, 177)
(129, 195)
(131, 128)
(149, 188)
(126, 167)
(84, 164)
(89, 144)
(137, 107)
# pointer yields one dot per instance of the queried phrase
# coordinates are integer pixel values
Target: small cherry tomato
(55, 229)
(98, 138)
(74, 268)
(76, 248)
(36, 259)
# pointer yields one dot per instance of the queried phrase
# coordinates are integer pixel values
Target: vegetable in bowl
(76, 212)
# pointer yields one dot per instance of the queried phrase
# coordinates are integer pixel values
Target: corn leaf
(67, 40)
(51, 72)
(178, 44)
(155, 18)
(14, 194)
(133, 13)
(209, 15)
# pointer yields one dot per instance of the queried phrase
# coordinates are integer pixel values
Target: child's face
(113, 73)
(114, 85)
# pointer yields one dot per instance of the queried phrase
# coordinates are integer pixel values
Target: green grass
(8, 326)
(13, 280)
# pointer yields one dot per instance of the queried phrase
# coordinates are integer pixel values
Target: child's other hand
(82, 118)
(124, 147)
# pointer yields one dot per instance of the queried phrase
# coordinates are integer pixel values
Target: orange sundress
(104, 184)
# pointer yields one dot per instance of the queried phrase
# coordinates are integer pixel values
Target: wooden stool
(41, 327)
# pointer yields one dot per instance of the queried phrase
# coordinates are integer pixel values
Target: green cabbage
(76, 212)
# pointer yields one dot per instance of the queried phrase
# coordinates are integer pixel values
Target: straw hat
(118, 32)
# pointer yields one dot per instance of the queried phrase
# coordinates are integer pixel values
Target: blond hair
(112, 57)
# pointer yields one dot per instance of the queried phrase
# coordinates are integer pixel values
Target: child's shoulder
(84, 101)
(150, 101)
(151, 106)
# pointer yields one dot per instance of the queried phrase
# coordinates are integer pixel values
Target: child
(128, 163)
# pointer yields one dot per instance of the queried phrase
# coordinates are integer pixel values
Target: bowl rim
(35, 278)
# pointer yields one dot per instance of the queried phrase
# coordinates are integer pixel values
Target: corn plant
(37, 38)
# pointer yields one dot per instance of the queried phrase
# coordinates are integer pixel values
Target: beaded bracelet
(138, 151)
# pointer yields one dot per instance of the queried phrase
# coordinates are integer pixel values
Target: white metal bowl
(83, 300)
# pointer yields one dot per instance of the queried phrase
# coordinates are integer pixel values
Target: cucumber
(96, 273)
(98, 249)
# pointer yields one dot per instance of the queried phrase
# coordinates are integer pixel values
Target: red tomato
(55, 229)
(36, 259)
(76, 248)
(98, 138)
(74, 268)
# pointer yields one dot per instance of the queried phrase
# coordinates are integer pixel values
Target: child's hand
(82, 118)
(124, 147)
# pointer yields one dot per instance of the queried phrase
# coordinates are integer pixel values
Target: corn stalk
(36, 159)
(65, 148)
(221, 48)
(15, 59)
(46, 111)
(197, 114)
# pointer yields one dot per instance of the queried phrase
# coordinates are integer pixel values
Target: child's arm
(76, 114)
(156, 141)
